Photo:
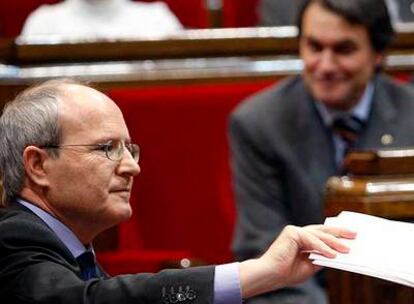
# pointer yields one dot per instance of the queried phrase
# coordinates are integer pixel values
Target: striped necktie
(348, 128)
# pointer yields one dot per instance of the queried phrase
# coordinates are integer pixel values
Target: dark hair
(373, 14)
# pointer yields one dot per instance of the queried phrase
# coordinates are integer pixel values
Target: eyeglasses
(114, 149)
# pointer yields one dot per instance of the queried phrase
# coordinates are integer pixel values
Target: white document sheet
(382, 248)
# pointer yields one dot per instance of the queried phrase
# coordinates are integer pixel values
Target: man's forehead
(90, 95)
(84, 108)
(81, 99)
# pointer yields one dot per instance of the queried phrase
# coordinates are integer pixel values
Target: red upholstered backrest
(403, 77)
(183, 198)
(240, 13)
(13, 13)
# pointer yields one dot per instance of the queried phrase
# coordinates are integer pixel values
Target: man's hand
(286, 261)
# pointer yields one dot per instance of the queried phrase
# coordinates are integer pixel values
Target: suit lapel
(382, 120)
(316, 146)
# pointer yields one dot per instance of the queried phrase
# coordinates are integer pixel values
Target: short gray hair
(30, 119)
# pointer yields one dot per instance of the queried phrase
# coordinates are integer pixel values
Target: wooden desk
(229, 42)
(375, 186)
(186, 44)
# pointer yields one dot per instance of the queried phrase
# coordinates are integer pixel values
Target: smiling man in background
(288, 140)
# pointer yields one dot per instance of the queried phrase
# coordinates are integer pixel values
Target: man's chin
(334, 100)
(339, 97)
(122, 211)
(126, 212)
(338, 105)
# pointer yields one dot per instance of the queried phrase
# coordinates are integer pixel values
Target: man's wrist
(257, 276)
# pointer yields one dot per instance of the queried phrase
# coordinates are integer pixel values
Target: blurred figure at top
(101, 19)
(278, 12)
(402, 13)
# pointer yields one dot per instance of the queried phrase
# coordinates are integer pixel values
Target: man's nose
(128, 165)
(327, 60)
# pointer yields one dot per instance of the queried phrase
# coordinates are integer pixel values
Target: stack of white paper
(382, 248)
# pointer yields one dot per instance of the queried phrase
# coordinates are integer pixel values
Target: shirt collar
(361, 109)
(66, 235)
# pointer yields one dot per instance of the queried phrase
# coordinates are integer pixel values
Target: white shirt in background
(101, 19)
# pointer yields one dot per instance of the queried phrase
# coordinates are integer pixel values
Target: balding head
(83, 107)
(65, 147)
(34, 118)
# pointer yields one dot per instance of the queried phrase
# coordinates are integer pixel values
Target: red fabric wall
(13, 13)
(183, 198)
(240, 13)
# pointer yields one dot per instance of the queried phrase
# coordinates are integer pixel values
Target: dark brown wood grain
(380, 186)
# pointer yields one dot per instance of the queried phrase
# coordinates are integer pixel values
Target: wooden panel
(349, 288)
(376, 162)
(6, 50)
(147, 72)
(188, 44)
(390, 195)
(403, 41)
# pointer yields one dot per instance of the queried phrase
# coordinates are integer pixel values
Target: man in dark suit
(67, 166)
(288, 140)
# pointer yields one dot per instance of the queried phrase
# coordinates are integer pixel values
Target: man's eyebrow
(310, 39)
(344, 42)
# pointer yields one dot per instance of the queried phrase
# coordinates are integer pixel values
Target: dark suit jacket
(278, 12)
(283, 155)
(36, 267)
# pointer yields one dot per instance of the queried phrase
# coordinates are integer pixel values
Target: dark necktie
(87, 265)
(348, 129)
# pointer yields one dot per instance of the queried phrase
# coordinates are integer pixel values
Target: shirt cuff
(227, 284)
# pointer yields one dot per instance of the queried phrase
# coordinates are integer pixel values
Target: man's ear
(34, 160)
(379, 59)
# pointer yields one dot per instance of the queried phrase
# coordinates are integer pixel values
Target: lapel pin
(387, 139)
